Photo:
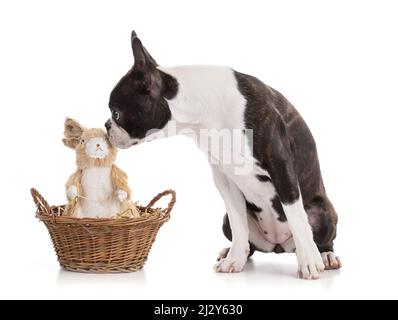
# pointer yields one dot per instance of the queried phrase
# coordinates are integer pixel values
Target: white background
(335, 61)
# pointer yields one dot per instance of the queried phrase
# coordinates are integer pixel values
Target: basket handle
(41, 203)
(159, 196)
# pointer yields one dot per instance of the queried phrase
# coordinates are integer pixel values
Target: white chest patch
(99, 196)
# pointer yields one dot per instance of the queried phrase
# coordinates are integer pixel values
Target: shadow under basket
(102, 245)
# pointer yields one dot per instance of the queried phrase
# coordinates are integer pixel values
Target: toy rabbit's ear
(73, 131)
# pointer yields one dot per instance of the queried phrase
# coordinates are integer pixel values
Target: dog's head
(138, 103)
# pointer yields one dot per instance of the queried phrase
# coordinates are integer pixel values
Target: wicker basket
(102, 245)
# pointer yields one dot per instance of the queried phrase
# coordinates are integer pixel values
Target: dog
(281, 204)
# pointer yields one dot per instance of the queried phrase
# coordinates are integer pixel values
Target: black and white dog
(281, 204)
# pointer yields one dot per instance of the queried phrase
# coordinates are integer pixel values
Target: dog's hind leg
(323, 220)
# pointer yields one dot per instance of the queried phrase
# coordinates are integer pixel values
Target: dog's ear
(144, 66)
(73, 131)
(142, 58)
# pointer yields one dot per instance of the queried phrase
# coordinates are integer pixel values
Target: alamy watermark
(230, 148)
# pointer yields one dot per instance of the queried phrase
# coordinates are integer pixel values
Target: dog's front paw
(232, 262)
(71, 193)
(122, 195)
(310, 263)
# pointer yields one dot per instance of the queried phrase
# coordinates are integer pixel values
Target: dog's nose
(108, 125)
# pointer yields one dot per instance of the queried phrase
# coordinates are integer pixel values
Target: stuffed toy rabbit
(98, 188)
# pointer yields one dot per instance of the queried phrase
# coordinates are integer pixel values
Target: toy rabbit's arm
(120, 182)
(73, 185)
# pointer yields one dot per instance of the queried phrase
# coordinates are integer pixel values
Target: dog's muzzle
(118, 137)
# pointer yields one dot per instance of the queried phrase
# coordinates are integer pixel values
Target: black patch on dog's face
(138, 102)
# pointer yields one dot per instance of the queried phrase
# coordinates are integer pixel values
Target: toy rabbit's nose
(98, 145)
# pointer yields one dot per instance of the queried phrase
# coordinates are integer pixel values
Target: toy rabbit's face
(91, 145)
(97, 148)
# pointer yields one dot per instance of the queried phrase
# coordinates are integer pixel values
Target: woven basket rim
(162, 216)
(45, 213)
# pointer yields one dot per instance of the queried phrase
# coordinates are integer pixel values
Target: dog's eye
(115, 115)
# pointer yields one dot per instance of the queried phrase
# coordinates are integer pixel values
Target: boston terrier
(280, 204)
